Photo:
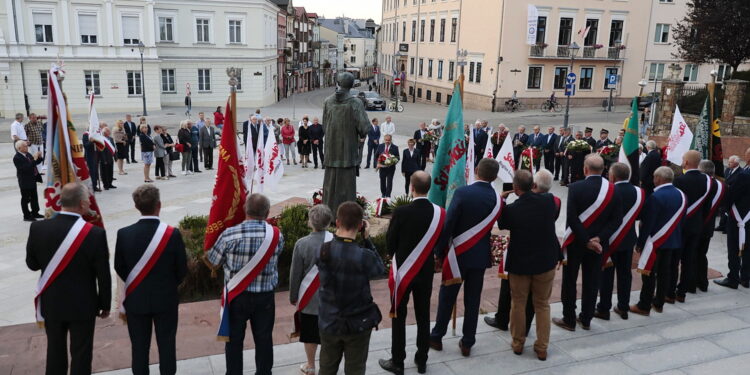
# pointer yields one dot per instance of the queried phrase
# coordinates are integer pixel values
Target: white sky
(350, 8)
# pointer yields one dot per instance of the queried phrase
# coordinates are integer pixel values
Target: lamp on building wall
(573, 50)
(141, 49)
(642, 83)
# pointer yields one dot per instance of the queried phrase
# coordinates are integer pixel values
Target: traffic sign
(570, 89)
(571, 78)
(397, 81)
(612, 80)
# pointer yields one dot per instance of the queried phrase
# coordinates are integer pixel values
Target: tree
(714, 30)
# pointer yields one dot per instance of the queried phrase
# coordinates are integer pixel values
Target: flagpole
(711, 93)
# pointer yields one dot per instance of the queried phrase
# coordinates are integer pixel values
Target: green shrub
(293, 225)
(198, 284)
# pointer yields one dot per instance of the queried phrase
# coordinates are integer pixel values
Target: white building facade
(187, 46)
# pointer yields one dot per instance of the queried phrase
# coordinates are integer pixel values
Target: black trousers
(565, 170)
(194, 156)
(407, 177)
(590, 265)
(29, 202)
(386, 180)
(622, 262)
(502, 316)
(739, 266)
(682, 265)
(131, 146)
(495, 150)
(139, 329)
(660, 281)
(424, 154)
(160, 166)
(107, 173)
(317, 150)
(701, 261)
(421, 290)
(81, 345)
(558, 166)
(208, 157)
(473, 281)
(372, 155)
(260, 310)
(93, 165)
(549, 161)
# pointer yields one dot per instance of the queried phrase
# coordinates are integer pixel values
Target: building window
(201, 27)
(656, 71)
(541, 29)
(565, 32)
(615, 32)
(593, 26)
(91, 81)
(87, 28)
(43, 77)
(478, 73)
(535, 78)
(414, 30)
(411, 90)
(239, 79)
(442, 30)
(454, 26)
(167, 80)
(440, 69)
(724, 72)
(438, 96)
(204, 80)
(403, 31)
(43, 27)
(419, 93)
(353, 59)
(166, 27)
(135, 84)
(471, 71)
(608, 72)
(429, 68)
(235, 31)
(354, 48)
(584, 82)
(421, 65)
(429, 95)
(421, 30)
(131, 35)
(451, 69)
(432, 30)
(662, 33)
(560, 75)
(411, 66)
(690, 73)
(448, 99)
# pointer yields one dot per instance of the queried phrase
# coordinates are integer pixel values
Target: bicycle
(512, 106)
(395, 106)
(550, 105)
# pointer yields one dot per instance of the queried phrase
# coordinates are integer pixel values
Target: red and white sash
(501, 270)
(718, 197)
(693, 208)
(147, 261)
(627, 224)
(741, 221)
(62, 257)
(463, 242)
(588, 216)
(307, 289)
(654, 242)
(242, 279)
(399, 278)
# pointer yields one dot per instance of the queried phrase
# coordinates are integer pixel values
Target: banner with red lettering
(450, 157)
(680, 138)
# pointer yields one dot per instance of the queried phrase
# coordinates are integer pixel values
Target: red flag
(229, 189)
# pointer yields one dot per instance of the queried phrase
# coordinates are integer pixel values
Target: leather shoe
(746, 284)
(421, 367)
(680, 299)
(541, 354)
(585, 326)
(727, 283)
(669, 300)
(703, 288)
(516, 351)
(562, 324)
(37, 216)
(464, 350)
(621, 313)
(492, 322)
(388, 365)
(436, 345)
(637, 310)
(657, 308)
(601, 315)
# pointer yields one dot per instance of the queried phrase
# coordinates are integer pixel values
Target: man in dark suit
(82, 290)
(520, 140)
(470, 205)
(710, 209)
(695, 187)
(106, 159)
(407, 228)
(154, 301)
(730, 175)
(207, 143)
(622, 256)
(28, 176)
(410, 163)
(739, 263)
(536, 139)
(660, 207)
(131, 131)
(92, 161)
(532, 254)
(480, 142)
(587, 136)
(373, 141)
(548, 144)
(422, 146)
(316, 137)
(386, 172)
(585, 252)
(648, 166)
(603, 140)
(253, 126)
(561, 162)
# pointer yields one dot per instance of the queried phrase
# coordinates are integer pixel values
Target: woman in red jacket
(287, 139)
(219, 118)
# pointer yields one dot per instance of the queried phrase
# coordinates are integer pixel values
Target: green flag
(448, 172)
(702, 132)
(629, 149)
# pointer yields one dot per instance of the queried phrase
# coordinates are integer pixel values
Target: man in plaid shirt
(232, 251)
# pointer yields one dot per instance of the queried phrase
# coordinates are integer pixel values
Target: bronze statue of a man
(345, 122)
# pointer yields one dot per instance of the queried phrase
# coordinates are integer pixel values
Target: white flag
(488, 148)
(533, 17)
(680, 138)
(272, 165)
(251, 160)
(469, 173)
(95, 133)
(507, 161)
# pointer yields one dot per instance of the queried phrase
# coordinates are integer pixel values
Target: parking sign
(612, 80)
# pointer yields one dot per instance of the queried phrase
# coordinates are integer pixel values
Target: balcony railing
(613, 53)
(588, 52)
(563, 51)
(536, 51)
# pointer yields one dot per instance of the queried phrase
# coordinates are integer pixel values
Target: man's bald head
(593, 164)
(691, 159)
(420, 183)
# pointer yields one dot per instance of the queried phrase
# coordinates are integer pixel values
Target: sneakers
(184, 173)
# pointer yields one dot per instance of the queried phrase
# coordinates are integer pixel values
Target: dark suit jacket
(373, 136)
(246, 126)
(737, 193)
(207, 137)
(647, 168)
(158, 290)
(480, 142)
(581, 195)
(470, 205)
(316, 133)
(411, 164)
(693, 184)
(658, 209)
(562, 143)
(26, 170)
(84, 287)
(550, 142)
(536, 139)
(626, 192)
(393, 150)
(590, 140)
(524, 138)
(731, 175)
(710, 221)
(417, 137)
(534, 247)
(130, 130)
(407, 227)
(600, 143)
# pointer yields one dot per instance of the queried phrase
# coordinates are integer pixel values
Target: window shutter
(87, 24)
(42, 18)
(130, 27)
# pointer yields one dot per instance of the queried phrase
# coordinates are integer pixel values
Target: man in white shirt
(388, 127)
(17, 132)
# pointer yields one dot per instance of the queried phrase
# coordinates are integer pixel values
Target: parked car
(373, 100)
(645, 100)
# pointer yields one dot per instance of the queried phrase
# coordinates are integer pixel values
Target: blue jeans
(259, 309)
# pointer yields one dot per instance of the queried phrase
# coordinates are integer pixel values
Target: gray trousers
(353, 348)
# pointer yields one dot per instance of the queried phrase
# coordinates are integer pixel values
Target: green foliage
(193, 228)
(381, 244)
(198, 284)
(399, 201)
(293, 225)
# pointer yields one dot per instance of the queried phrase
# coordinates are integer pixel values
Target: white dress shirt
(387, 128)
(16, 129)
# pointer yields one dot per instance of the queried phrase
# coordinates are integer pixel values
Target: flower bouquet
(498, 247)
(610, 153)
(498, 138)
(387, 160)
(362, 201)
(579, 145)
(428, 137)
(380, 207)
(317, 197)
(529, 154)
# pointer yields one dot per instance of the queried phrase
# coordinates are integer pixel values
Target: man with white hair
(388, 127)
(28, 176)
(649, 165)
(520, 140)
(730, 175)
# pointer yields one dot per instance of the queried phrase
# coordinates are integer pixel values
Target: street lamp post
(642, 83)
(573, 50)
(291, 93)
(141, 49)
